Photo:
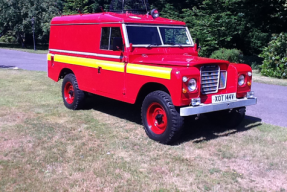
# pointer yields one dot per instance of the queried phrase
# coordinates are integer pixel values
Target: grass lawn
(40, 49)
(46, 147)
(257, 77)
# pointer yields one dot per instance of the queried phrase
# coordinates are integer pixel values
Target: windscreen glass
(174, 36)
(141, 35)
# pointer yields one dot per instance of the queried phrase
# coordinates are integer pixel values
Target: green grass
(40, 49)
(46, 147)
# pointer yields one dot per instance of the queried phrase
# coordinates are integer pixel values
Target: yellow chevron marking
(87, 62)
(159, 72)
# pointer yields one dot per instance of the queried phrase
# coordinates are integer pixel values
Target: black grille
(209, 79)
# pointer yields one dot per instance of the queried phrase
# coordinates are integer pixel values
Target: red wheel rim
(69, 93)
(156, 118)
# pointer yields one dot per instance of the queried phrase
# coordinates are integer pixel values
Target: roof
(110, 17)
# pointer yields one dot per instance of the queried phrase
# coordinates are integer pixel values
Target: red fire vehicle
(144, 58)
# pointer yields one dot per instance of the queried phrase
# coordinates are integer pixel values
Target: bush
(231, 55)
(275, 57)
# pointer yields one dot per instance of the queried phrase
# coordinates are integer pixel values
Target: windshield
(155, 35)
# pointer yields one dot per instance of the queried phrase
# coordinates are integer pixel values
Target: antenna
(102, 9)
(79, 11)
(123, 5)
(145, 6)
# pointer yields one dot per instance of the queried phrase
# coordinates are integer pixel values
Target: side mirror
(197, 45)
(117, 43)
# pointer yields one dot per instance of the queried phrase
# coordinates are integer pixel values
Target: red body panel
(80, 36)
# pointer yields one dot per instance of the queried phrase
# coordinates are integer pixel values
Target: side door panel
(111, 67)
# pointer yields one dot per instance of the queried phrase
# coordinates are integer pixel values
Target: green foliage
(16, 16)
(235, 24)
(275, 57)
(216, 23)
(231, 55)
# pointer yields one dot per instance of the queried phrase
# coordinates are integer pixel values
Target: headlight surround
(241, 80)
(192, 85)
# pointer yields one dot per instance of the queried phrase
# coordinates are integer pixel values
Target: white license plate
(223, 98)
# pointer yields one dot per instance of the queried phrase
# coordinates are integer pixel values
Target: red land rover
(142, 57)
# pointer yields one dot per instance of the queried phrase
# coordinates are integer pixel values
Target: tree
(243, 24)
(16, 17)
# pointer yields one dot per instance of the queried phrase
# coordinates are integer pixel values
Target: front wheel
(73, 97)
(160, 118)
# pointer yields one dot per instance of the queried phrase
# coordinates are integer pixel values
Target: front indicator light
(241, 80)
(184, 90)
(249, 83)
(192, 85)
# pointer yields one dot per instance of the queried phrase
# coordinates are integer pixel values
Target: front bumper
(206, 108)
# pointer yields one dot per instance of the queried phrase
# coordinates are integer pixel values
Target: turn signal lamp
(249, 83)
(184, 90)
(155, 13)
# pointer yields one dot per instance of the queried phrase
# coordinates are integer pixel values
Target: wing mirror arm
(197, 45)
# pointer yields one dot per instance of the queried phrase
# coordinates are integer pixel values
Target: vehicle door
(111, 67)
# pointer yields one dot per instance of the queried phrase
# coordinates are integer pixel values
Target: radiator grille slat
(209, 79)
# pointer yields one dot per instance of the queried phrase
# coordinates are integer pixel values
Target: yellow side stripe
(145, 70)
(49, 57)
(87, 62)
(159, 72)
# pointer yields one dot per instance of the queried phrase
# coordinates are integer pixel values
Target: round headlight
(191, 85)
(241, 80)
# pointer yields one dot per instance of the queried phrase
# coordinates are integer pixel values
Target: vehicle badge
(189, 60)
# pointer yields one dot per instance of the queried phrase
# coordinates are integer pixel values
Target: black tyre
(228, 118)
(73, 97)
(160, 118)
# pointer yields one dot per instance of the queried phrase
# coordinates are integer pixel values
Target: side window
(111, 38)
(105, 38)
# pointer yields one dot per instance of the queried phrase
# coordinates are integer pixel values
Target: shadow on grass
(197, 131)
(202, 130)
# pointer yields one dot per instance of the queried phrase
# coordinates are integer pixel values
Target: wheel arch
(64, 72)
(148, 88)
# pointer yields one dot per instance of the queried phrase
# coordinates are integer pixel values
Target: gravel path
(272, 99)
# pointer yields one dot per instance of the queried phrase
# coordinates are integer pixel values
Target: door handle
(99, 69)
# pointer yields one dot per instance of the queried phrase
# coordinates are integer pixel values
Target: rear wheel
(160, 118)
(229, 118)
(73, 97)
